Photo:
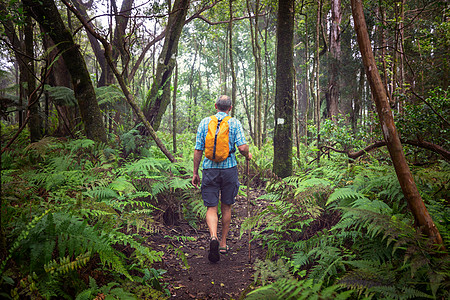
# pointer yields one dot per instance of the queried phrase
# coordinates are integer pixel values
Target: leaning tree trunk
(422, 217)
(47, 14)
(157, 102)
(282, 140)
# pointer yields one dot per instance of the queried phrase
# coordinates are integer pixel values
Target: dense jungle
(345, 105)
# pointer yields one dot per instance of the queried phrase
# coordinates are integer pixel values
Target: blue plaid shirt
(236, 139)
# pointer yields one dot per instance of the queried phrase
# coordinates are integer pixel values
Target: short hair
(223, 103)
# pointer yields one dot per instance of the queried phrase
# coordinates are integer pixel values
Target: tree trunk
(119, 43)
(123, 86)
(258, 70)
(335, 52)
(230, 47)
(157, 102)
(317, 75)
(98, 52)
(19, 49)
(35, 122)
(282, 141)
(174, 110)
(46, 13)
(422, 217)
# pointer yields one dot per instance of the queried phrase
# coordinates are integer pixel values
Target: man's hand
(195, 180)
(197, 158)
(245, 150)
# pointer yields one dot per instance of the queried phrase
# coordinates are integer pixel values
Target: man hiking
(220, 172)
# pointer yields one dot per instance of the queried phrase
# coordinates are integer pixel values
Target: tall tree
(35, 121)
(415, 203)
(284, 101)
(335, 53)
(47, 14)
(230, 47)
(317, 75)
(254, 33)
(19, 49)
(159, 96)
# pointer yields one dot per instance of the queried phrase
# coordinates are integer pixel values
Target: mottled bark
(415, 203)
(157, 102)
(47, 14)
(284, 102)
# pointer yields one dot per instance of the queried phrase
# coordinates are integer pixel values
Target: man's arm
(197, 158)
(245, 150)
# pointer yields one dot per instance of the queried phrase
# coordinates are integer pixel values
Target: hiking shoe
(214, 255)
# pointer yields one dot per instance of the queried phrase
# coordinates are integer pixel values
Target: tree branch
(421, 144)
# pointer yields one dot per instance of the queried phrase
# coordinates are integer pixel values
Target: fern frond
(65, 265)
(62, 95)
(344, 194)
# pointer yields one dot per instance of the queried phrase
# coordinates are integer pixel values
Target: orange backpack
(217, 148)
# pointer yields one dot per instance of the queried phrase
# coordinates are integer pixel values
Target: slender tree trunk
(307, 83)
(174, 110)
(47, 14)
(157, 102)
(123, 86)
(282, 141)
(335, 52)
(35, 122)
(233, 73)
(258, 69)
(317, 76)
(19, 49)
(95, 45)
(422, 217)
(119, 43)
(245, 102)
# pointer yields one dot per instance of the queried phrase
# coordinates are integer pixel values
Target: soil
(230, 278)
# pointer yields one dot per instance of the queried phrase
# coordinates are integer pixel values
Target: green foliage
(109, 291)
(294, 204)
(61, 95)
(369, 249)
(421, 122)
(79, 201)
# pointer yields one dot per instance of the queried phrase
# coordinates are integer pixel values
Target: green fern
(61, 95)
(109, 291)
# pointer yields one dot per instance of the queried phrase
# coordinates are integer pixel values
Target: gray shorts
(224, 180)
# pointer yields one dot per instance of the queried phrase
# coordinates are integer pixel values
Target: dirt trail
(227, 279)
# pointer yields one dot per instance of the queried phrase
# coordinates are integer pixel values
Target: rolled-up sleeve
(240, 137)
(201, 134)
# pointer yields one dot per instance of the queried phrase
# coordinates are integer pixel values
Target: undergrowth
(343, 231)
(73, 217)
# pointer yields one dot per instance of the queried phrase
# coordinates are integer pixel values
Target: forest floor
(230, 278)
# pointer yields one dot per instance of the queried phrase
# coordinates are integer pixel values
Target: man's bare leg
(226, 220)
(212, 220)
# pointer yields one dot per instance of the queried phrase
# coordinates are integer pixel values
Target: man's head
(223, 103)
